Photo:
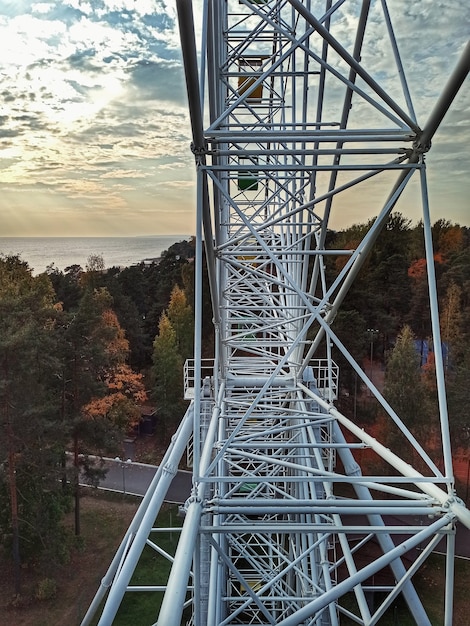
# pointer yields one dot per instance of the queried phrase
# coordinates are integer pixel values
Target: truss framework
(282, 522)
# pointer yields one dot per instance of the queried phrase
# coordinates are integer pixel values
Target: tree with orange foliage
(117, 346)
(120, 406)
(447, 238)
(452, 241)
(417, 269)
(101, 393)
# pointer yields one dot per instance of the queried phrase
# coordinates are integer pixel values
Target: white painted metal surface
(282, 521)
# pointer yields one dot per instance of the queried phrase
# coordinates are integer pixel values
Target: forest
(84, 349)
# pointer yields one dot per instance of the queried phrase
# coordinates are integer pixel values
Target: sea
(62, 252)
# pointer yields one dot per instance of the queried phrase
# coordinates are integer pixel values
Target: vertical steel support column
(197, 378)
(198, 333)
(449, 588)
(188, 44)
(436, 334)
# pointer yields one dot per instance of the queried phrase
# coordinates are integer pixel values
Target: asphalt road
(134, 479)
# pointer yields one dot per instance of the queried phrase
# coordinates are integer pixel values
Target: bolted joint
(199, 153)
(170, 469)
(421, 146)
(408, 152)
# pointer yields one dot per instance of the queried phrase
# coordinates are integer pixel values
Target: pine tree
(404, 388)
(451, 324)
(181, 318)
(168, 374)
(30, 429)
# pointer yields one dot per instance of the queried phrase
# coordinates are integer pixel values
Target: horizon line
(91, 236)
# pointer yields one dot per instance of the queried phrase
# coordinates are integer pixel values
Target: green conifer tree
(168, 374)
(30, 428)
(404, 388)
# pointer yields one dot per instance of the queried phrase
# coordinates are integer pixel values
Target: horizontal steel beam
(281, 528)
(287, 136)
(319, 510)
(325, 504)
(289, 167)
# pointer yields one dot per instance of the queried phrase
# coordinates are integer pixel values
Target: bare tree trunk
(14, 509)
(62, 419)
(76, 486)
(6, 408)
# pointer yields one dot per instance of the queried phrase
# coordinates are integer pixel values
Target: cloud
(94, 110)
(8, 132)
(158, 80)
(119, 174)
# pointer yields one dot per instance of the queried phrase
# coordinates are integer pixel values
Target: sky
(94, 124)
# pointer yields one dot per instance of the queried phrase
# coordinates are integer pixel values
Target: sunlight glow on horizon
(94, 129)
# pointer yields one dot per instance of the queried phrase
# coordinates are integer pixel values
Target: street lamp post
(123, 466)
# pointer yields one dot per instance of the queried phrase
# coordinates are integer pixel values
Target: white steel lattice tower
(290, 123)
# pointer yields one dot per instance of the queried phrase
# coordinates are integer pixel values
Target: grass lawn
(153, 569)
(105, 519)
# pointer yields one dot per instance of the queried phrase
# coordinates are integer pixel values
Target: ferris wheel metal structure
(291, 123)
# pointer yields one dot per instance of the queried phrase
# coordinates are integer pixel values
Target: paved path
(134, 478)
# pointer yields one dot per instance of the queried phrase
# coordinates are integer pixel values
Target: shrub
(46, 589)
